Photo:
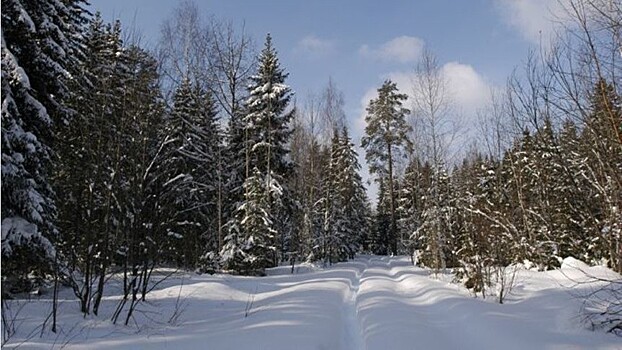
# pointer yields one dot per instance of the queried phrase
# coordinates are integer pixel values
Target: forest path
(371, 303)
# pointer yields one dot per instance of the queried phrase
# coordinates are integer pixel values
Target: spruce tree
(336, 223)
(320, 210)
(410, 204)
(266, 136)
(267, 118)
(578, 196)
(354, 195)
(191, 168)
(40, 45)
(208, 149)
(234, 167)
(106, 166)
(436, 232)
(249, 244)
(602, 146)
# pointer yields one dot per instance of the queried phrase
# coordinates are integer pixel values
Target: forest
(196, 155)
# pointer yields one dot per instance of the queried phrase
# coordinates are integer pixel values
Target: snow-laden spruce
(261, 222)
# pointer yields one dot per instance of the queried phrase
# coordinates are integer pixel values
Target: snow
(368, 303)
(572, 263)
(17, 231)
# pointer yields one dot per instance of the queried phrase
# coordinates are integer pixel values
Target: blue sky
(359, 43)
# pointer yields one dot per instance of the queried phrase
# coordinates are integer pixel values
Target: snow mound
(574, 264)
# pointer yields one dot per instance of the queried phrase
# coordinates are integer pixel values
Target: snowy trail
(371, 303)
(352, 336)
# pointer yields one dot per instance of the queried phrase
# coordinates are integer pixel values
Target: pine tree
(386, 136)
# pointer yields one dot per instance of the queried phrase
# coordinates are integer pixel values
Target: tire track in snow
(352, 337)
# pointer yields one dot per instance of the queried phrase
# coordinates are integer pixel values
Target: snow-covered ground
(369, 303)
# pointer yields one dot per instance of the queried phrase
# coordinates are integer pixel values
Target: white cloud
(535, 20)
(403, 49)
(469, 89)
(314, 46)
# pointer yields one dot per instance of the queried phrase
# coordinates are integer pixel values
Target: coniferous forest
(196, 154)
